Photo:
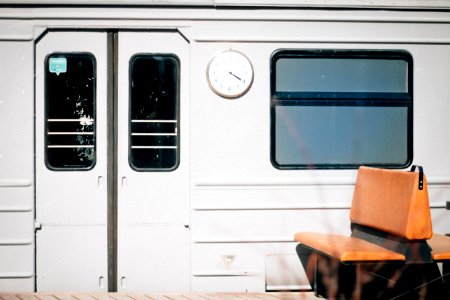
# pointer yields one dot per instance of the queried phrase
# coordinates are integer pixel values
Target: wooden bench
(391, 253)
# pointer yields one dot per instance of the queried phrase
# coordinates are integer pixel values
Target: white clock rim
(216, 91)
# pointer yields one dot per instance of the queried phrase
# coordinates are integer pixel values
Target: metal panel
(154, 258)
(230, 143)
(71, 258)
(265, 226)
(15, 31)
(71, 205)
(153, 206)
(16, 167)
(285, 272)
(239, 199)
(430, 4)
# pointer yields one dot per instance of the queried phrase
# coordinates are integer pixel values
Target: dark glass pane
(160, 140)
(70, 127)
(70, 111)
(142, 127)
(337, 135)
(71, 158)
(154, 134)
(70, 139)
(156, 158)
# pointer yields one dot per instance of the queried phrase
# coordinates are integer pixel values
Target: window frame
(46, 109)
(177, 112)
(349, 99)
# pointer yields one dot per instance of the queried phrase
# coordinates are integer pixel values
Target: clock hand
(232, 74)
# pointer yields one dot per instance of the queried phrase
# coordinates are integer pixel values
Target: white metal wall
(242, 206)
(244, 212)
(16, 166)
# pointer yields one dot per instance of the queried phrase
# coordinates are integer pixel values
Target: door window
(341, 109)
(154, 117)
(70, 111)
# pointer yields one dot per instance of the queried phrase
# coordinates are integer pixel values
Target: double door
(112, 161)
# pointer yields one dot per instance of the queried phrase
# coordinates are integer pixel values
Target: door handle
(124, 182)
(37, 225)
(123, 282)
(100, 182)
(101, 282)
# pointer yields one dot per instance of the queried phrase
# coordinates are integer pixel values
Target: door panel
(71, 162)
(72, 170)
(153, 199)
(154, 258)
(72, 258)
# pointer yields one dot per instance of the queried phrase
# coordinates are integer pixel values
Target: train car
(179, 145)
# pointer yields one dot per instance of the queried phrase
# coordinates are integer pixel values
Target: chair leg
(421, 281)
(308, 259)
(446, 276)
(328, 277)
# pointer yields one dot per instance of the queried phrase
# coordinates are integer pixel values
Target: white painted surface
(154, 258)
(16, 167)
(436, 4)
(71, 257)
(153, 207)
(71, 250)
(278, 277)
(240, 205)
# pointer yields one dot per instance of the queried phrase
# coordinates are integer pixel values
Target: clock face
(230, 74)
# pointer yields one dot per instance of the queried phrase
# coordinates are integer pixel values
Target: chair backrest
(392, 201)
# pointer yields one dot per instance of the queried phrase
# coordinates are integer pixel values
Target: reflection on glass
(70, 111)
(306, 135)
(154, 127)
(341, 75)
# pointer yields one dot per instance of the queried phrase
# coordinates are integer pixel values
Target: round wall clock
(230, 74)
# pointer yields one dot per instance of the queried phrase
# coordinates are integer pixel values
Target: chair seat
(346, 249)
(440, 247)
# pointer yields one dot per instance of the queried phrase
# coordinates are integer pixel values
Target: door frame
(112, 134)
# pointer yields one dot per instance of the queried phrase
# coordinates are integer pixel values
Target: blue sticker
(57, 65)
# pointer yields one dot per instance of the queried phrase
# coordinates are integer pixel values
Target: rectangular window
(70, 111)
(341, 109)
(154, 117)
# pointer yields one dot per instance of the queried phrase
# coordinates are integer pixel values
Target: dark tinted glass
(154, 126)
(70, 111)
